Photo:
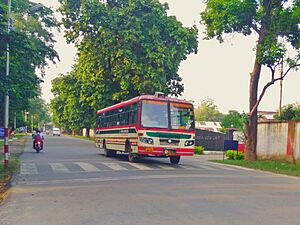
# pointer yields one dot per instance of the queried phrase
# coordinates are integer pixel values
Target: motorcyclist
(38, 136)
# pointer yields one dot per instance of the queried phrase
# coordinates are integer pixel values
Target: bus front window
(182, 116)
(154, 114)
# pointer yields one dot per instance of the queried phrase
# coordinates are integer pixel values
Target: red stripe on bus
(142, 97)
(117, 127)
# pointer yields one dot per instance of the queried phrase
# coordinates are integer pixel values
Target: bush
(234, 155)
(199, 150)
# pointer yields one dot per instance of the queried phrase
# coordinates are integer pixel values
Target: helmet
(38, 130)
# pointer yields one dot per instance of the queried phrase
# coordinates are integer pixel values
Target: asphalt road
(72, 183)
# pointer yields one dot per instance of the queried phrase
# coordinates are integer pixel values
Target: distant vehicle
(56, 131)
(147, 126)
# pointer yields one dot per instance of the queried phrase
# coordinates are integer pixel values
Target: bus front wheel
(109, 153)
(174, 159)
(132, 157)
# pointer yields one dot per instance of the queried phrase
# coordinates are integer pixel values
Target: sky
(218, 71)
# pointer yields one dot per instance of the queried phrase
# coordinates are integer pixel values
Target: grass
(280, 167)
(13, 163)
(18, 136)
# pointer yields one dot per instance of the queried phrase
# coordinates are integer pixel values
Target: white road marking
(166, 167)
(138, 177)
(187, 167)
(114, 166)
(140, 166)
(28, 168)
(59, 168)
(87, 167)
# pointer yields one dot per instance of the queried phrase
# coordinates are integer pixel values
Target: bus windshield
(182, 116)
(155, 114)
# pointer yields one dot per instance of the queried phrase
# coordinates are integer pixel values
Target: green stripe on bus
(168, 135)
(117, 131)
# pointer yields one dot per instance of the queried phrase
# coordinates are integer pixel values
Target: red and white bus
(147, 125)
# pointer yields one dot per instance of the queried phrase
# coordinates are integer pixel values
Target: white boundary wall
(276, 141)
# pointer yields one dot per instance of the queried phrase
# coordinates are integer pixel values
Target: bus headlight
(147, 140)
(189, 143)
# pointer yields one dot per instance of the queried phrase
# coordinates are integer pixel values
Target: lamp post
(26, 118)
(6, 97)
(31, 123)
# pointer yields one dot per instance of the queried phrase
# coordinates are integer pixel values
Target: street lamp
(6, 97)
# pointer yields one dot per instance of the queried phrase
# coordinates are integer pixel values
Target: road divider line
(139, 166)
(28, 168)
(166, 167)
(87, 167)
(114, 166)
(59, 168)
(138, 177)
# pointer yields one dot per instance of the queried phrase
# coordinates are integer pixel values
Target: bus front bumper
(160, 151)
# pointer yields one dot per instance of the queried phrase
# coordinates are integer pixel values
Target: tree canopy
(125, 48)
(31, 47)
(208, 111)
(276, 22)
(289, 112)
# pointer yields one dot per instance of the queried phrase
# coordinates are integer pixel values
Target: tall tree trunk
(87, 132)
(251, 126)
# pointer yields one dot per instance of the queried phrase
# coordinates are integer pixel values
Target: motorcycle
(38, 146)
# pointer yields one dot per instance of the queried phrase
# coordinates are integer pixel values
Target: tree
(289, 112)
(125, 49)
(31, 48)
(70, 109)
(207, 111)
(133, 47)
(39, 111)
(276, 22)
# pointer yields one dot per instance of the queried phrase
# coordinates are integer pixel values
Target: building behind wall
(208, 125)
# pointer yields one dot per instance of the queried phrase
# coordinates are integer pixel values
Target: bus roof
(139, 98)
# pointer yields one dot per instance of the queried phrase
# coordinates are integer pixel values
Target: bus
(147, 125)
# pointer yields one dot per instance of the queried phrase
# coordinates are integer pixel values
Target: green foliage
(70, 108)
(234, 119)
(276, 22)
(289, 112)
(31, 48)
(234, 155)
(207, 111)
(125, 49)
(199, 150)
(228, 16)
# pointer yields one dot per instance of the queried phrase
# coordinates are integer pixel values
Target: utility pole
(6, 97)
(280, 95)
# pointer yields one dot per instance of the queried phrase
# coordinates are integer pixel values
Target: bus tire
(174, 159)
(109, 153)
(131, 156)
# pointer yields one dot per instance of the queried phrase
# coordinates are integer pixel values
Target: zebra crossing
(30, 168)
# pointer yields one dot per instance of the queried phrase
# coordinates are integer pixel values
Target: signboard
(1, 132)
(231, 145)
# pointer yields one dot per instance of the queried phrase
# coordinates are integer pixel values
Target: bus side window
(98, 122)
(133, 114)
